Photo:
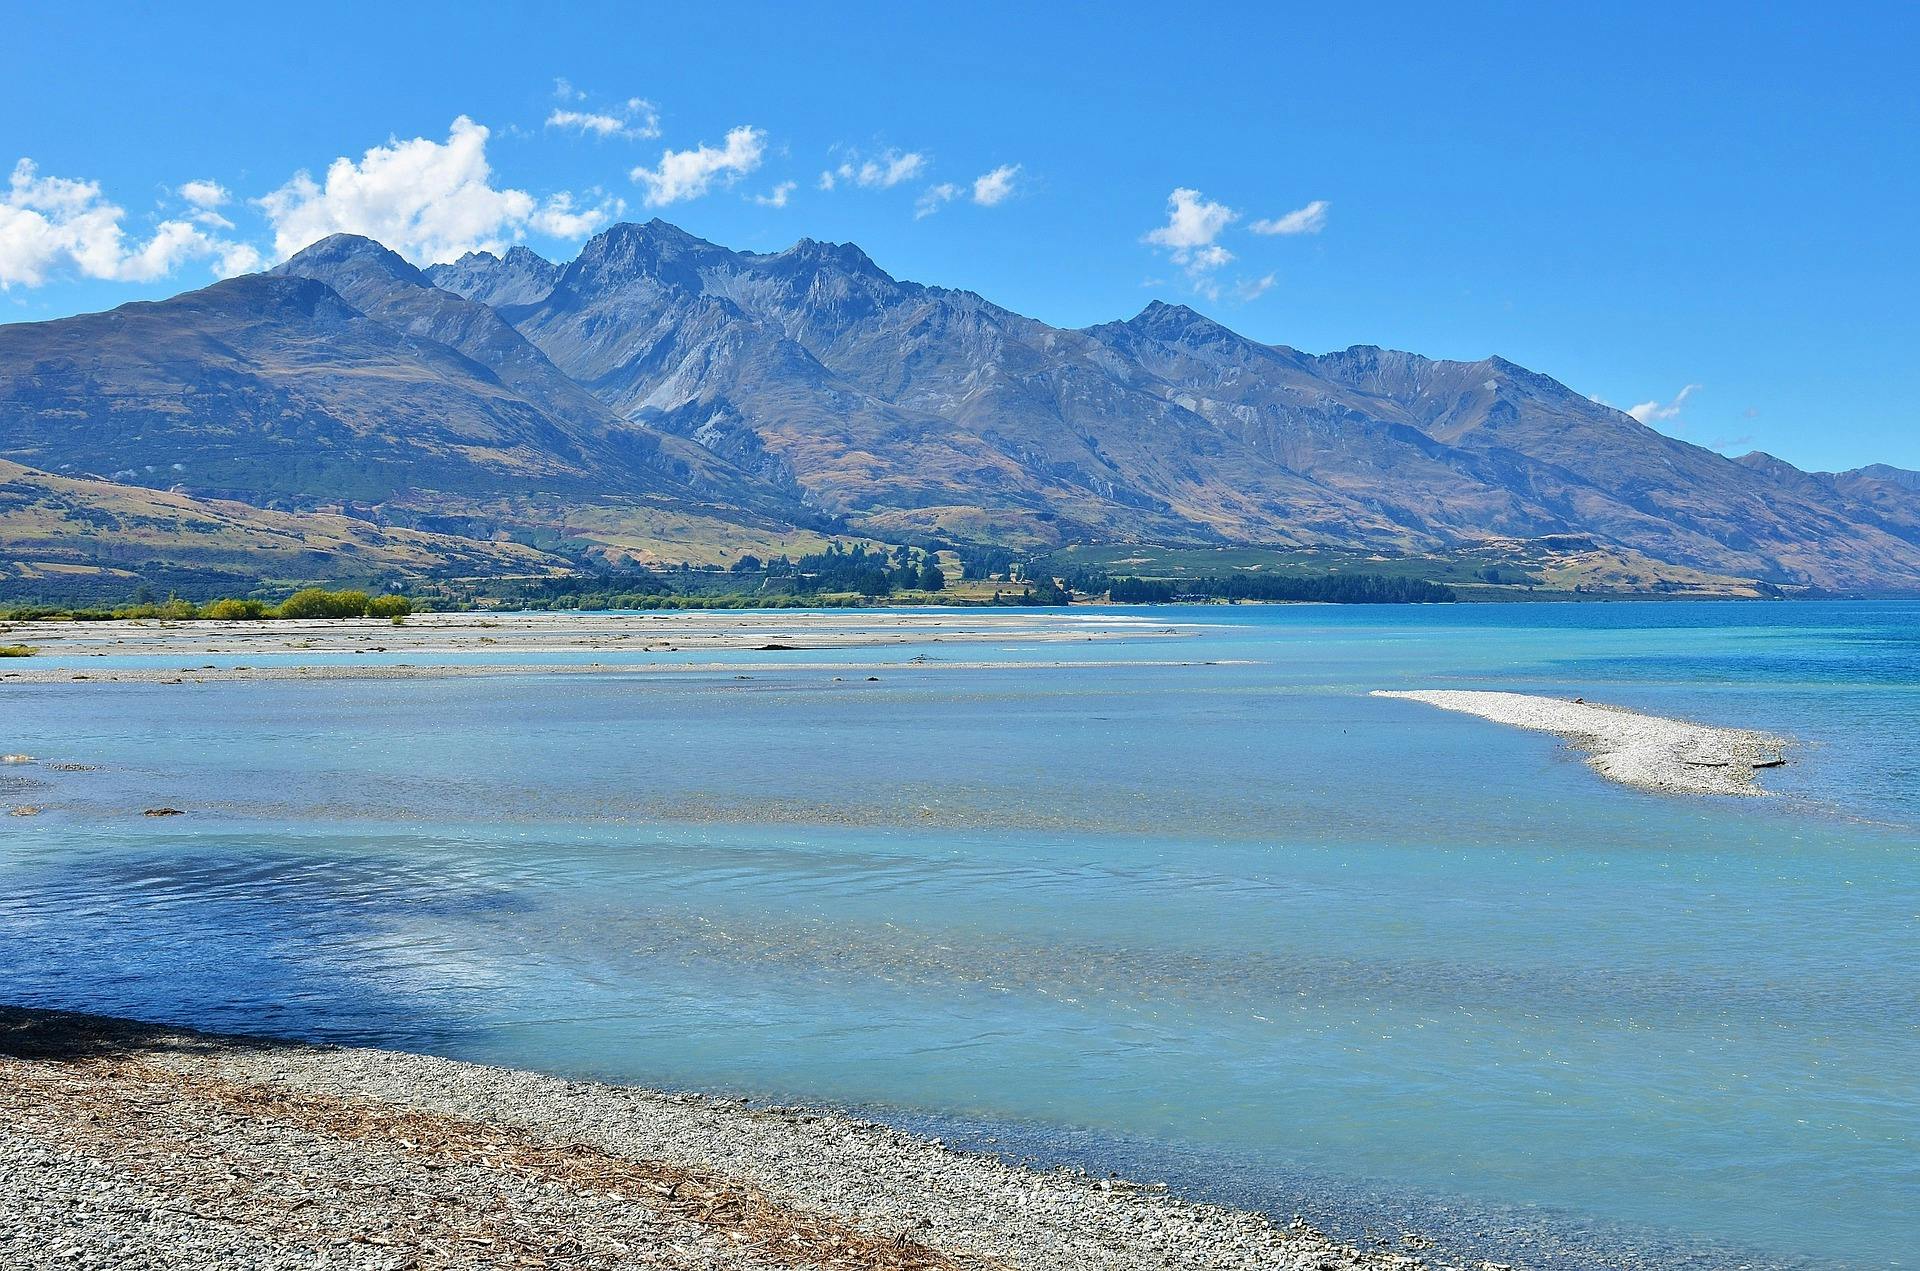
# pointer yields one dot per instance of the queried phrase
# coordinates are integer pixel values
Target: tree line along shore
(832, 579)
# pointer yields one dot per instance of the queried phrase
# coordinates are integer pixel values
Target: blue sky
(1634, 199)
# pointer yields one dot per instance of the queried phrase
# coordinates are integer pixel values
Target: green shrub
(316, 603)
(389, 607)
(17, 650)
(235, 610)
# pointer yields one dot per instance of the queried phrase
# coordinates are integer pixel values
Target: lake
(1194, 908)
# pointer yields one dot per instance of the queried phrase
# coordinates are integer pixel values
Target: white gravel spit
(125, 1144)
(1647, 751)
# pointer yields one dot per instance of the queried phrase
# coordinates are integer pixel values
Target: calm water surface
(1236, 925)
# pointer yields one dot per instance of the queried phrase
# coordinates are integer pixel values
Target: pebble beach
(126, 1144)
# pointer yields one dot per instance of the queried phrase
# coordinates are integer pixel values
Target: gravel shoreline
(1649, 752)
(480, 644)
(132, 1144)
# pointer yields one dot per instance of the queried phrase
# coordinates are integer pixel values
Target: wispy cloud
(635, 119)
(933, 198)
(777, 196)
(1663, 412)
(881, 172)
(1310, 219)
(687, 174)
(428, 200)
(1250, 289)
(205, 198)
(55, 225)
(991, 188)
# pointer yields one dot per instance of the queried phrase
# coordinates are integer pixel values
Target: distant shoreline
(481, 643)
(180, 1149)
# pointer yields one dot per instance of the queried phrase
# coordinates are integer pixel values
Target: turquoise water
(1232, 923)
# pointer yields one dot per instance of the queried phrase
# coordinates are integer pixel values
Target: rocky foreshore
(1648, 751)
(125, 1144)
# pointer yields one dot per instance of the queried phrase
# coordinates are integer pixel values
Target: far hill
(71, 538)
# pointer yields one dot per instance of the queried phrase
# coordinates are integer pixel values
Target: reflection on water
(1237, 924)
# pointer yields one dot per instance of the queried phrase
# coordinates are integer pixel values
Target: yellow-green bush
(389, 607)
(235, 610)
(313, 602)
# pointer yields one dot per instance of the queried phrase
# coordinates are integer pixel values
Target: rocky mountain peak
(844, 256)
(352, 252)
(522, 276)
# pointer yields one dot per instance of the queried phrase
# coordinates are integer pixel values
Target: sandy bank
(1648, 751)
(124, 1144)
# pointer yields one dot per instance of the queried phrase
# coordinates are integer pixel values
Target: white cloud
(1192, 223)
(1310, 219)
(1190, 234)
(52, 225)
(635, 119)
(559, 218)
(688, 174)
(778, 196)
(880, 173)
(205, 197)
(933, 197)
(428, 200)
(205, 194)
(1658, 412)
(994, 187)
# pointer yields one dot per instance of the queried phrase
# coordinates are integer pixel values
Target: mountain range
(663, 397)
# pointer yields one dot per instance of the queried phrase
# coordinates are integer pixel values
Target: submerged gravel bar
(125, 1144)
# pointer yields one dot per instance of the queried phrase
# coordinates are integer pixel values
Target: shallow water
(1235, 924)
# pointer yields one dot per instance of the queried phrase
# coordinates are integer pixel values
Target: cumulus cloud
(778, 195)
(205, 194)
(881, 172)
(635, 119)
(53, 225)
(688, 174)
(994, 187)
(428, 200)
(1190, 236)
(1660, 412)
(1310, 219)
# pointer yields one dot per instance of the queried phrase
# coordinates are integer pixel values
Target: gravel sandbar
(1647, 751)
